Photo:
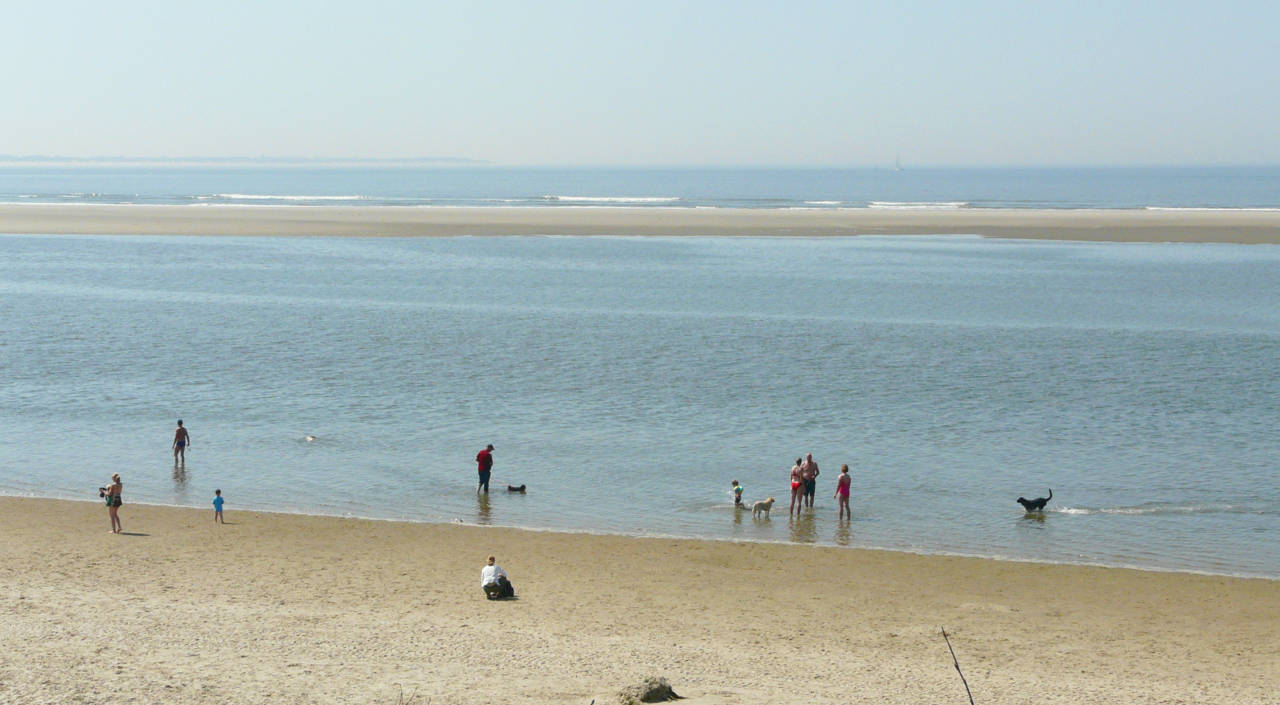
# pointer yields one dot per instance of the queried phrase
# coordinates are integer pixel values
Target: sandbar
(291, 608)
(1224, 226)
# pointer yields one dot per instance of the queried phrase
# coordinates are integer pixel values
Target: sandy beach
(286, 608)
(1232, 226)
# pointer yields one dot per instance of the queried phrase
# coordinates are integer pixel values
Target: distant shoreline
(1239, 226)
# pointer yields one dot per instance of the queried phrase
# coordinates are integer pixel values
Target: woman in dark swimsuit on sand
(113, 502)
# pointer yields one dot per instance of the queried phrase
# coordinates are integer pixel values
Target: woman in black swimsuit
(113, 502)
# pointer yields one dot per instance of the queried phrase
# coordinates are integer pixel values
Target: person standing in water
(809, 473)
(797, 489)
(842, 493)
(484, 464)
(181, 441)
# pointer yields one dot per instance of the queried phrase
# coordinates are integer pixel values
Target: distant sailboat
(897, 163)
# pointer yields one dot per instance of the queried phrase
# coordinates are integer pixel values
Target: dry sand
(295, 609)
(1237, 226)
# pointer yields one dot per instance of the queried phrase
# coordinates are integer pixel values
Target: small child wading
(737, 494)
(217, 506)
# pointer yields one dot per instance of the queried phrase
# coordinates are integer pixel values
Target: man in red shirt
(484, 463)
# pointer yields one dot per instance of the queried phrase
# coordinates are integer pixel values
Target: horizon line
(123, 160)
(112, 159)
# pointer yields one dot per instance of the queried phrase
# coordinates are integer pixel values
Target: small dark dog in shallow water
(1037, 504)
(513, 488)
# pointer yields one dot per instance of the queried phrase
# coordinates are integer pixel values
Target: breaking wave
(613, 199)
(919, 205)
(271, 197)
(1163, 508)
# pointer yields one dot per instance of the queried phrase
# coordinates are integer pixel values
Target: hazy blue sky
(649, 82)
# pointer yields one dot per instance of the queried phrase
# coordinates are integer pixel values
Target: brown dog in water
(762, 507)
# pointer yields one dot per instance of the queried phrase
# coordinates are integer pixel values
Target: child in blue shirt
(217, 506)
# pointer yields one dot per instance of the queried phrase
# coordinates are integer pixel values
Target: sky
(648, 83)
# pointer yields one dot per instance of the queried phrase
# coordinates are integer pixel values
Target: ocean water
(626, 381)
(932, 188)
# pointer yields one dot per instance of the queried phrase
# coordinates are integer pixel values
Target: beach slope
(299, 609)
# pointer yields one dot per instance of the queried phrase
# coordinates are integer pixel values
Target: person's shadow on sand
(132, 533)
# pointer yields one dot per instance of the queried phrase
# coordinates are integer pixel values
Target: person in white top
(494, 581)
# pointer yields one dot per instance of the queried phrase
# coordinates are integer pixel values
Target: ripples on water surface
(628, 380)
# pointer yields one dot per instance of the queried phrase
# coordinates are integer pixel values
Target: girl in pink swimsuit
(842, 492)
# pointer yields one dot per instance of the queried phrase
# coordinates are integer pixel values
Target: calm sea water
(627, 381)
(1167, 187)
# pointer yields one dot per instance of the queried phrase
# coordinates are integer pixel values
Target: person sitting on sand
(112, 495)
(494, 582)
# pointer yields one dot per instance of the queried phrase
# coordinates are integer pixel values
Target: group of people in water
(804, 485)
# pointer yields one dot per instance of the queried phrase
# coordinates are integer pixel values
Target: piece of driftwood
(957, 663)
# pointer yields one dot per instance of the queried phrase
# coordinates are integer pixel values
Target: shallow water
(628, 380)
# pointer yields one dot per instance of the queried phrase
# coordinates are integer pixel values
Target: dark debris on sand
(651, 690)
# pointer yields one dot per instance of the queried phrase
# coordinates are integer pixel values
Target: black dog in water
(1037, 504)
(513, 488)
